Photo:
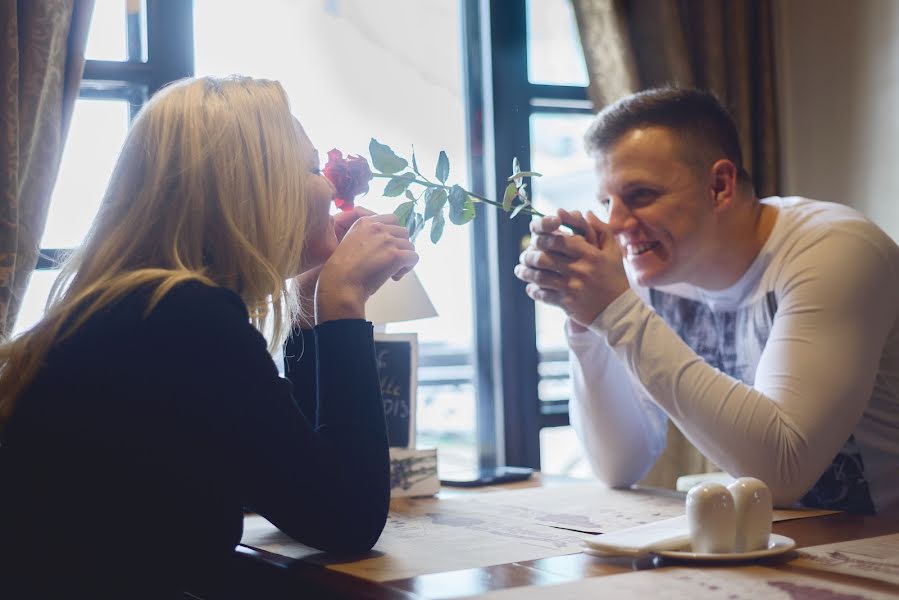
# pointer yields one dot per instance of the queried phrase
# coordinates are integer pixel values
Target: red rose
(350, 177)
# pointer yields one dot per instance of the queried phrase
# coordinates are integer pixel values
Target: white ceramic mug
(711, 519)
(753, 507)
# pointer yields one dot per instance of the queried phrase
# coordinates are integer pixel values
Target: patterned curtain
(40, 70)
(725, 46)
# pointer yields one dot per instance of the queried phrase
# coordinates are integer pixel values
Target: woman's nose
(330, 185)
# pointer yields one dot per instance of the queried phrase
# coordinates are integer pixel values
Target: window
(350, 76)
(133, 48)
(540, 110)
(484, 80)
(554, 52)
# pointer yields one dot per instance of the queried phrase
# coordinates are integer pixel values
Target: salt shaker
(711, 519)
(753, 507)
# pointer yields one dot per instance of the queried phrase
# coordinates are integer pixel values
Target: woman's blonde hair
(209, 186)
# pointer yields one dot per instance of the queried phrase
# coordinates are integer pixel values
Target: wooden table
(261, 574)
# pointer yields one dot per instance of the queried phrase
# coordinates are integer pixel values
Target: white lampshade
(403, 300)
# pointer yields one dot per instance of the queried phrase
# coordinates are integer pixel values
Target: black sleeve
(325, 483)
(300, 368)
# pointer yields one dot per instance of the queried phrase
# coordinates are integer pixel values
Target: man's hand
(580, 274)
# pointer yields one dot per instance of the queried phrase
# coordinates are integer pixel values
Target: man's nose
(621, 218)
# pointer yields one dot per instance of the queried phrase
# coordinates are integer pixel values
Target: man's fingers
(576, 221)
(570, 246)
(543, 295)
(544, 260)
(545, 224)
(603, 231)
(541, 277)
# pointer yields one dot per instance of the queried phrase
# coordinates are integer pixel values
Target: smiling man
(765, 329)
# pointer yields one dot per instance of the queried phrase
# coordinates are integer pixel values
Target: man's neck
(743, 236)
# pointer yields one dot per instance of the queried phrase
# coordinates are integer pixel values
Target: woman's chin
(318, 255)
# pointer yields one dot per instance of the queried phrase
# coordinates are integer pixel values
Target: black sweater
(132, 455)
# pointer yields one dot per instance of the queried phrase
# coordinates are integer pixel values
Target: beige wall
(839, 86)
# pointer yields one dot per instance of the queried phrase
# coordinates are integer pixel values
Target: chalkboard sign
(397, 356)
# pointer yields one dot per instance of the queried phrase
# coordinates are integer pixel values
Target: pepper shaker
(753, 508)
(711, 519)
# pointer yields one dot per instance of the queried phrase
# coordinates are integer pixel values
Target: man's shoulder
(833, 247)
(806, 225)
(800, 215)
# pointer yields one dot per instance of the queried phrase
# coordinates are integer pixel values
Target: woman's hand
(373, 249)
(306, 281)
(344, 220)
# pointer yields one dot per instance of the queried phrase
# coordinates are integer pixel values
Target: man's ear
(723, 184)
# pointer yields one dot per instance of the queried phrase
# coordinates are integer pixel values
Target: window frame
(509, 345)
(500, 101)
(170, 56)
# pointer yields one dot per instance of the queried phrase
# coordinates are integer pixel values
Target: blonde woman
(144, 412)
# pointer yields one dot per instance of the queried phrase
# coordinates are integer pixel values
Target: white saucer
(777, 544)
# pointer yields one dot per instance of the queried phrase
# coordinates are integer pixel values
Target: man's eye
(641, 197)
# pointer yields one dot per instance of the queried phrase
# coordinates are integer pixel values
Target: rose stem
(528, 209)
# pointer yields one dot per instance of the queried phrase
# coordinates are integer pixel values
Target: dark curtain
(726, 46)
(40, 70)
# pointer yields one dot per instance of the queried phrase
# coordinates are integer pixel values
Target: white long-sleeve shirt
(790, 375)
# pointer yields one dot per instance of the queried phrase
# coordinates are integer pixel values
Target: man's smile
(638, 248)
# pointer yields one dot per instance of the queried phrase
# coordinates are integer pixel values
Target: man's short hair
(697, 117)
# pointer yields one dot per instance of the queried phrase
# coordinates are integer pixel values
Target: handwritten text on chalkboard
(396, 370)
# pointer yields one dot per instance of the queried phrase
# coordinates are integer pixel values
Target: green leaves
(442, 167)
(435, 199)
(518, 188)
(508, 196)
(517, 176)
(416, 224)
(437, 226)
(415, 163)
(404, 211)
(431, 204)
(398, 185)
(461, 206)
(384, 159)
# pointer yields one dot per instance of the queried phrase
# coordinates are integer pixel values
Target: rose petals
(349, 176)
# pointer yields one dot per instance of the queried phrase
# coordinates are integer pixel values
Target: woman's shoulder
(197, 306)
(195, 295)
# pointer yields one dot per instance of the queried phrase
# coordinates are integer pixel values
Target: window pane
(95, 137)
(350, 75)
(35, 300)
(561, 453)
(568, 181)
(117, 31)
(554, 48)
